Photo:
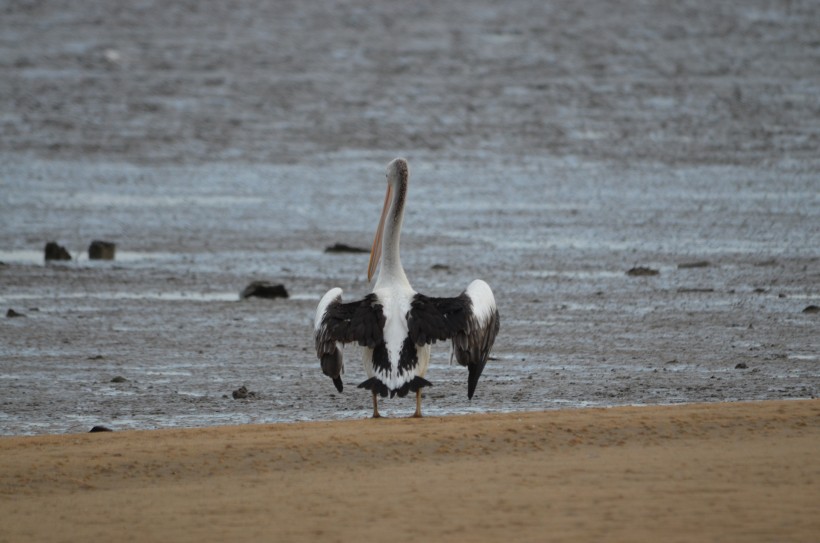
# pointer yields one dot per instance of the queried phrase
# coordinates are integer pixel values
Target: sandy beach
(716, 472)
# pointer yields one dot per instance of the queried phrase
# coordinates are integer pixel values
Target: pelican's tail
(377, 387)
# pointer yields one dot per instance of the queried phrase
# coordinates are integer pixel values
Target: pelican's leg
(417, 414)
(376, 406)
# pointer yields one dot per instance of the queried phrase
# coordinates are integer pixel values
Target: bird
(397, 325)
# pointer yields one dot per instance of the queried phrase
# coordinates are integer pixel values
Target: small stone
(242, 393)
(119, 379)
(741, 366)
(12, 314)
(766, 263)
(100, 429)
(696, 264)
(344, 248)
(811, 309)
(641, 271)
(686, 290)
(264, 289)
(102, 250)
(440, 267)
(53, 251)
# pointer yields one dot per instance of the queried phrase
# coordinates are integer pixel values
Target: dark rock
(344, 248)
(119, 379)
(741, 366)
(264, 289)
(12, 314)
(56, 252)
(102, 250)
(100, 429)
(697, 264)
(443, 267)
(242, 393)
(811, 309)
(641, 271)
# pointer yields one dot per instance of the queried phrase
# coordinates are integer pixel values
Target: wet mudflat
(552, 150)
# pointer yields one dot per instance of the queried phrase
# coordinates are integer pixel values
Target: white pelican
(395, 324)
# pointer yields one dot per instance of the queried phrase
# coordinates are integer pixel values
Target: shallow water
(547, 163)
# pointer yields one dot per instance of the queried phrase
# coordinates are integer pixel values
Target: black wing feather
(361, 321)
(433, 319)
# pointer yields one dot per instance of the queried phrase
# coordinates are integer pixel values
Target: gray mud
(552, 148)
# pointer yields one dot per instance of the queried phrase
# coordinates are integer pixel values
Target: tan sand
(717, 472)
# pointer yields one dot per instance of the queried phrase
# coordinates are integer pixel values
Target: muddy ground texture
(552, 149)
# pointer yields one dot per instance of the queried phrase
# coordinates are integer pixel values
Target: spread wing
(470, 320)
(335, 323)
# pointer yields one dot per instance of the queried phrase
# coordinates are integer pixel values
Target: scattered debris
(696, 264)
(56, 252)
(100, 429)
(242, 393)
(741, 366)
(344, 248)
(641, 271)
(102, 250)
(12, 314)
(264, 289)
(811, 309)
(119, 379)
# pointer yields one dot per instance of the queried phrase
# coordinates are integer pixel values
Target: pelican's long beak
(376, 250)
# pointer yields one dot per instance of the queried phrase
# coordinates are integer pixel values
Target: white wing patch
(483, 301)
(332, 295)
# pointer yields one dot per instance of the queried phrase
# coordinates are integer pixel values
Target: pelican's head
(398, 172)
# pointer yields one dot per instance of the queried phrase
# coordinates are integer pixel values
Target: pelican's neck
(391, 271)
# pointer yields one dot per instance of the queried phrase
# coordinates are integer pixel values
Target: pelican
(395, 324)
